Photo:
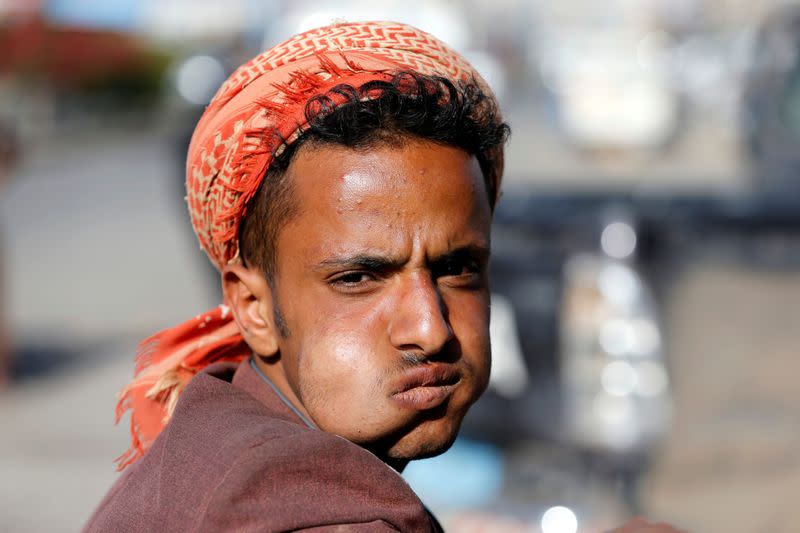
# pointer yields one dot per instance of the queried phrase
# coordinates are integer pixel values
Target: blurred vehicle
(576, 334)
(607, 73)
(613, 373)
(771, 103)
(57, 74)
(610, 89)
(76, 58)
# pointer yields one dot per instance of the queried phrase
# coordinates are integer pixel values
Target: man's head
(380, 278)
(364, 284)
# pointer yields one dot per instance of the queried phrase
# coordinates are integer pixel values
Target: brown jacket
(235, 457)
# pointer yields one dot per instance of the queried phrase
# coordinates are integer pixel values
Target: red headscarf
(227, 160)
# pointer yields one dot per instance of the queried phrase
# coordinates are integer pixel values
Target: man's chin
(425, 435)
(423, 443)
(426, 452)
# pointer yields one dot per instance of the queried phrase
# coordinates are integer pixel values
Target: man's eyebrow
(478, 252)
(361, 260)
(377, 262)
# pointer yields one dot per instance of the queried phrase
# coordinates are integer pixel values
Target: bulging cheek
(345, 354)
(341, 380)
(352, 410)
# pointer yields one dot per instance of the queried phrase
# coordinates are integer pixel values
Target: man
(343, 182)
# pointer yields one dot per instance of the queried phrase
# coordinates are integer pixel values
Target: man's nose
(420, 320)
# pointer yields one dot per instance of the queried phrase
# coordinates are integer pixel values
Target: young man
(343, 182)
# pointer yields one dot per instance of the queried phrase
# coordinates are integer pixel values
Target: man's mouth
(426, 386)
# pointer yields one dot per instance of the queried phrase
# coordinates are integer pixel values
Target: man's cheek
(344, 353)
(337, 371)
(473, 303)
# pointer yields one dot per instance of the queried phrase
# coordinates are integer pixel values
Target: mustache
(450, 353)
(409, 359)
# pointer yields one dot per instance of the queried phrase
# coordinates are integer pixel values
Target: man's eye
(353, 279)
(459, 268)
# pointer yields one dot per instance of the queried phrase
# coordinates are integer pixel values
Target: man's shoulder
(226, 461)
(307, 481)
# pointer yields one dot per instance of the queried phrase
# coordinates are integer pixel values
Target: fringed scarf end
(133, 453)
(166, 362)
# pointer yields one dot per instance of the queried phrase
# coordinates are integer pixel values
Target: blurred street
(59, 442)
(735, 443)
(93, 224)
(96, 259)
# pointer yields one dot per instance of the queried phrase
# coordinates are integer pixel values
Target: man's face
(381, 279)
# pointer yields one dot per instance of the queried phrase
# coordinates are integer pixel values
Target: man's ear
(249, 297)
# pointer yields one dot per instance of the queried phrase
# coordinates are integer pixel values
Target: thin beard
(280, 322)
(277, 315)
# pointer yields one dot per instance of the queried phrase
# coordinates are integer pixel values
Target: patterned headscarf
(227, 160)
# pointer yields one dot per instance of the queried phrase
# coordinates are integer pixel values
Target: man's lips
(426, 386)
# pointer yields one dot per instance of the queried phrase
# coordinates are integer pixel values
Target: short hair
(432, 108)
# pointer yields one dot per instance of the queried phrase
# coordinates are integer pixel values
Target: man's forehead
(384, 167)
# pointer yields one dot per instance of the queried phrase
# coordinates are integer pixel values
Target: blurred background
(646, 264)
